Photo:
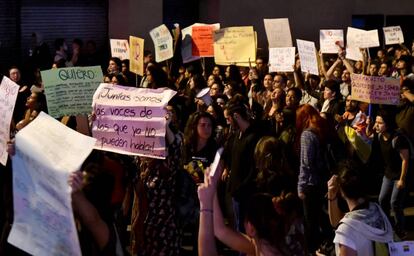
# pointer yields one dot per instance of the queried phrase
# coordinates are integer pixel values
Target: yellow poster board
(136, 55)
(235, 45)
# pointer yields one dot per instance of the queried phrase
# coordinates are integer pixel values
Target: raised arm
(87, 213)
(233, 239)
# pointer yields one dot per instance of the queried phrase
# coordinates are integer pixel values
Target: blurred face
(276, 94)
(191, 83)
(346, 76)
(113, 67)
(337, 73)
(373, 70)
(210, 80)
(216, 71)
(383, 70)
(149, 76)
(268, 82)
(221, 102)
(211, 111)
(107, 80)
(253, 74)
(228, 90)
(278, 81)
(259, 64)
(380, 54)
(380, 126)
(401, 64)
(124, 68)
(14, 75)
(204, 128)
(291, 99)
(114, 80)
(229, 118)
(351, 105)
(328, 94)
(214, 90)
(31, 101)
(227, 73)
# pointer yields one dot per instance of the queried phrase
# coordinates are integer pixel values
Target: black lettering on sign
(116, 142)
(120, 129)
(65, 74)
(126, 112)
(106, 93)
(150, 132)
(142, 145)
(102, 126)
(136, 131)
(146, 113)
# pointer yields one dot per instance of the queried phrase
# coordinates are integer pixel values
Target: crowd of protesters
(296, 147)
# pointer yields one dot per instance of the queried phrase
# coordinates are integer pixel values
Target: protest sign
(234, 45)
(69, 91)
(163, 43)
(353, 53)
(393, 35)
(307, 55)
(187, 43)
(8, 96)
(119, 48)
(329, 38)
(278, 32)
(203, 40)
(46, 153)
(131, 120)
(359, 38)
(281, 59)
(136, 57)
(375, 89)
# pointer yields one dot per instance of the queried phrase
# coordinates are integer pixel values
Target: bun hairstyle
(238, 105)
(268, 223)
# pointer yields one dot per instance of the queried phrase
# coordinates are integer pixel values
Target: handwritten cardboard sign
(8, 96)
(46, 153)
(235, 44)
(136, 55)
(329, 38)
(187, 43)
(354, 53)
(307, 55)
(359, 38)
(69, 91)
(393, 35)
(375, 89)
(281, 59)
(203, 40)
(163, 43)
(130, 120)
(119, 48)
(278, 32)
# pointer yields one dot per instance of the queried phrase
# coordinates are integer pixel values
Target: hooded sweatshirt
(358, 230)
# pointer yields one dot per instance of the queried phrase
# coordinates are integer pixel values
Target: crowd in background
(300, 157)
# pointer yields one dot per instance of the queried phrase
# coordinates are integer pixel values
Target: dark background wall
(121, 18)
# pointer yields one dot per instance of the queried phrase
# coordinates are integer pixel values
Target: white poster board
(359, 38)
(46, 153)
(163, 43)
(307, 55)
(278, 32)
(8, 96)
(329, 40)
(393, 35)
(119, 48)
(281, 59)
